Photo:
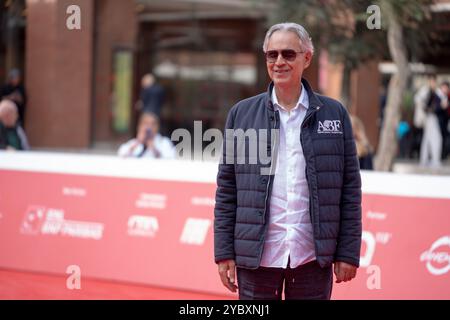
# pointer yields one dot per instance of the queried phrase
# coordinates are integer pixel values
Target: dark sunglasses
(287, 54)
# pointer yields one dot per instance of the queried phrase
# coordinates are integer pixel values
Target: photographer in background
(148, 143)
(12, 136)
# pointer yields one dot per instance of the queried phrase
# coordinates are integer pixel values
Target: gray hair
(7, 105)
(305, 39)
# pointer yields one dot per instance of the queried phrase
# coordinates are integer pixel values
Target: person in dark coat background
(363, 147)
(152, 96)
(14, 90)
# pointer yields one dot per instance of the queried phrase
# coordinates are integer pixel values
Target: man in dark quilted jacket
(284, 222)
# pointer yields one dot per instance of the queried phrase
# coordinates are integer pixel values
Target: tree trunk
(345, 91)
(387, 149)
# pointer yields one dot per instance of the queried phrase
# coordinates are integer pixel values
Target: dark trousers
(306, 282)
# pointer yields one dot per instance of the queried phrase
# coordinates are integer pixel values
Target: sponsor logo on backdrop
(142, 226)
(371, 240)
(50, 221)
(329, 126)
(150, 200)
(203, 201)
(437, 258)
(32, 222)
(195, 231)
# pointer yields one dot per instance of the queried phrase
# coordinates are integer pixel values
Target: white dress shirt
(133, 148)
(290, 232)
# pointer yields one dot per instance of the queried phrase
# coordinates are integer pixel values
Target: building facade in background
(83, 84)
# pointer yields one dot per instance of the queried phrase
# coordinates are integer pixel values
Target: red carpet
(24, 285)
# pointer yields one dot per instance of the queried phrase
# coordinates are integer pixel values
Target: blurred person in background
(404, 137)
(15, 91)
(420, 116)
(444, 117)
(152, 95)
(383, 100)
(148, 142)
(12, 136)
(363, 147)
(430, 102)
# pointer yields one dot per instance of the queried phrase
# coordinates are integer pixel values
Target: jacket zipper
(311, 216)
(271, 164)
(273, 150)
(267, 192)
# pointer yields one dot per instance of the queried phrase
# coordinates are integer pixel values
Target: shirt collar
(302, 100)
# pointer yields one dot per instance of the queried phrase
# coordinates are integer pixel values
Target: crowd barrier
(151, 222)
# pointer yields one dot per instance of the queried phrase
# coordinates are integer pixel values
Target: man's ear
(308, 59)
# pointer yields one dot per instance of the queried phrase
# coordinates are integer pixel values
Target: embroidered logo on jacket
(330, 126)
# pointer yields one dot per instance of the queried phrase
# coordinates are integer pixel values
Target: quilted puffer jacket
(243, 192)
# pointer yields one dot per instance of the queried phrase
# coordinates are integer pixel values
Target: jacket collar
(314, 101)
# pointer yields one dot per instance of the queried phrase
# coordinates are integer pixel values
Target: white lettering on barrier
(149, 200)
(194, 231)
(376, 215)
(51, 222)
(369, 239)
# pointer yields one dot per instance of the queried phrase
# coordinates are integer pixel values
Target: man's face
(283, 72)
(9, 117)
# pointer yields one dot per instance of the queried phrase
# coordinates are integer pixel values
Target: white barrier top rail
(410, 185)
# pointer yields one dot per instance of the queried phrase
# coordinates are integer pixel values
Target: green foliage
(408, 102)
(340, 26)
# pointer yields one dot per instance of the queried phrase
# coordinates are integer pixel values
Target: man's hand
(227, 272)
(344, 271)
